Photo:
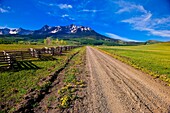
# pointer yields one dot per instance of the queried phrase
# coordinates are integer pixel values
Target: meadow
(153, 59)
(16, 83)
(19, 46)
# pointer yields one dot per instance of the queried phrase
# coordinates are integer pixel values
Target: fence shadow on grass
(27, 64)
(24, 65)
(47, 58)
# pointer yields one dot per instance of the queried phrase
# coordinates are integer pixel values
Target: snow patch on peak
(74, 26)
(73, 30)
(57, 29)
(54, 31)
(15, 31)
(88, 28)
(46, 27)
(85, 29)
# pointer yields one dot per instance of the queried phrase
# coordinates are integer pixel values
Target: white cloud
(52, 4)
(163, 33)
(49, 13)
(65, 6)
(111, 35)
(128, 7)
(153, 26)
(61, 6)
(72, 19)
(147, 17)
(65, 15)
(93, 11)
(139, 21)
(3, 10)
(162, 20)
(146, 21)
(68, 17)
(47, 4)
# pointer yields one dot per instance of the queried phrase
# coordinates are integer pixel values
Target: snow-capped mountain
(19, 31)
(4, 31)
(71, 29)
(61, 32)
(47, 30)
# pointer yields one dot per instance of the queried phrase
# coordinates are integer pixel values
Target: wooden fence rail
(8, 58)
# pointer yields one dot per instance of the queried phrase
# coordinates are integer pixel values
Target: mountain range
(46, 30)
(70, 31)
(81, 34)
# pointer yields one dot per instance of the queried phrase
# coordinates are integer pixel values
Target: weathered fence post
(37, 53)
(55, 50)
(31, 51)
(52, 50)
(49, 51)
(10, 60)
(46, 49)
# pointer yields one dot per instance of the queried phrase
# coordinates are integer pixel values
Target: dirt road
(115, 87)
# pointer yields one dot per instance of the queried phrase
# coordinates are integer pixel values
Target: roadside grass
(153, 59)
(72, 82)
(14, 84)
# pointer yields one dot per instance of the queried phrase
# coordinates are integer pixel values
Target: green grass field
(14, 84)
(22, 46)
(153, 59)
(18, 46)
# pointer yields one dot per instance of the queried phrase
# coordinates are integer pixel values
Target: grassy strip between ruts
(15, 84)
(152, 59)
(72, 81)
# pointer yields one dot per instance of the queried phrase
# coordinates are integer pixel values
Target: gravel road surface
(115, 87)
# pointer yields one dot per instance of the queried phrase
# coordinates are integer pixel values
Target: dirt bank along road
(115, 87)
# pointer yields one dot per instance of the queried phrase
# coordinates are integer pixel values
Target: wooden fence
(8, 58)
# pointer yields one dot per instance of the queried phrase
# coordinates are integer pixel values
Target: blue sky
(137, 20)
